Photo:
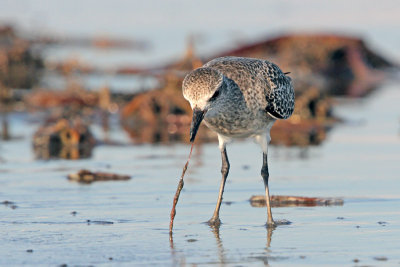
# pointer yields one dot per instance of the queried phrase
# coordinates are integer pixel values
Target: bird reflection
(270, 230)
(179, 259)
(220, 246)
(171, 241)
(221, 249)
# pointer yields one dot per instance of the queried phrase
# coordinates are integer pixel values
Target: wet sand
(57, 222)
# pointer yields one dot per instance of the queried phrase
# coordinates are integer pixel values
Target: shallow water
(129, 219)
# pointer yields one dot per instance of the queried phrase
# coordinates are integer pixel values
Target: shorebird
(238, 98)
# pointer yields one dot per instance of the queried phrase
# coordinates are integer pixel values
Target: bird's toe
(271, 224)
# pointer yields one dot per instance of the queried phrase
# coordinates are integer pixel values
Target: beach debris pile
(160, 116)
(335, 64)
(63, 138)
(163, 115)
(68, 116)
(20, 66)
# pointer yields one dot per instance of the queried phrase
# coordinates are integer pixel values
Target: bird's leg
(265, 176)
(224, 170)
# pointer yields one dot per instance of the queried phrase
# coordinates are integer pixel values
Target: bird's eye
(215, 95)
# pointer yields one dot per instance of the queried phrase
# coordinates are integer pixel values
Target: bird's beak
(198, 116)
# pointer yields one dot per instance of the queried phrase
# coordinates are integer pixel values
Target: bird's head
(201, 88)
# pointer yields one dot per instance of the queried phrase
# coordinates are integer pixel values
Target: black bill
(198, 116)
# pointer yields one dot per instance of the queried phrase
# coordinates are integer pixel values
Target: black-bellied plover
(237, 98)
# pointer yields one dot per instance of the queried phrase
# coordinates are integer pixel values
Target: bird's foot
(271, 224)
(214, 222)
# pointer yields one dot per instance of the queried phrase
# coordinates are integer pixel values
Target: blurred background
(91, 90)
(128, 59)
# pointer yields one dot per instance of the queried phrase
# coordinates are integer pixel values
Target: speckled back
(263, 84)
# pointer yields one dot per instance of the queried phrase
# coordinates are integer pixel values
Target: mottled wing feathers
(280, 97)
(259, 79)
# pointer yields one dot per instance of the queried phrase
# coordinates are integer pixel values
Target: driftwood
(87, 177)
(294, 201)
